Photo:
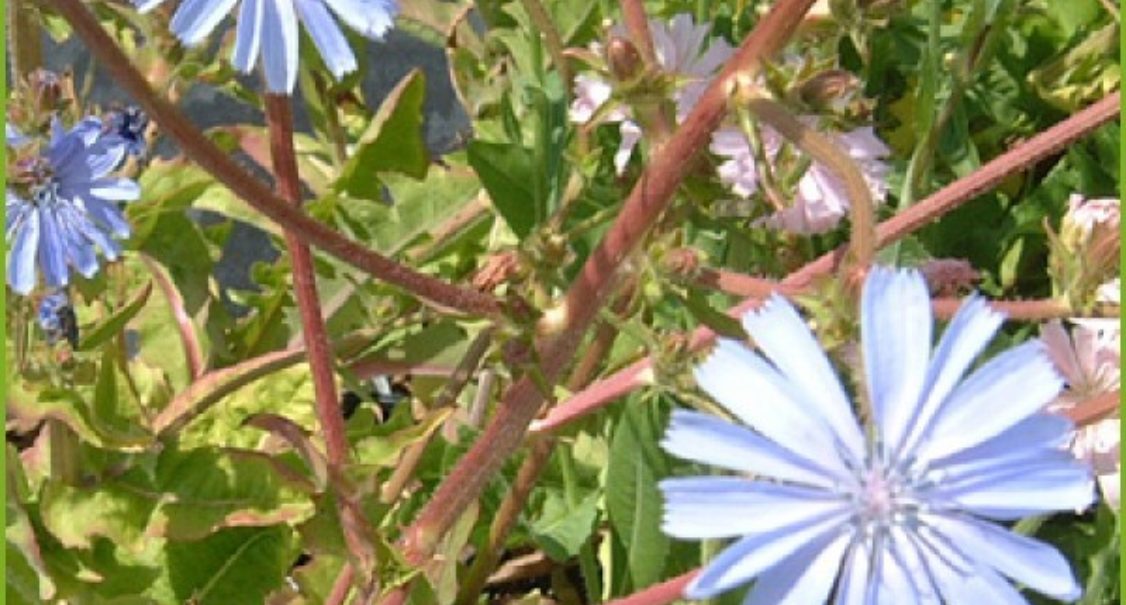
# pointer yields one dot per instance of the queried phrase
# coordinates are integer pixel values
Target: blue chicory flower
(63, 206)
(129, 125)
(827, 512)
(269, 28)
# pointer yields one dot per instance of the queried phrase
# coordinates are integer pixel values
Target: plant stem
(209, 157)
(554, 41)
(637, 25)
(193, 352)
(822, 150)
(279, 121)
(404, 470)
(25, 50)
(562, 329)
(669, 591)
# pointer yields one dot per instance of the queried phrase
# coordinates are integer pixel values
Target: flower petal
(753, 554)
(52, 249)
(895, 330)
(1012, 491)
(196, 19)
(279, 46)
(24, 251)
(1009, 388)
(806, 576)
(753, 390)
(785, 340)
(372, 18)
(248, 36)
(328, 38)
(972, 327)
(706, 439)
(722, 507)
(116, 189)
(1033, 563)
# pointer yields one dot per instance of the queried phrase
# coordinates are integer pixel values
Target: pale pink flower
(683, 49)
(1086, 214)
(1089, 361)
(819, 201)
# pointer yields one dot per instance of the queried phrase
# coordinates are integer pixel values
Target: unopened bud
(46, 89)
(830, 88)
(623, 59)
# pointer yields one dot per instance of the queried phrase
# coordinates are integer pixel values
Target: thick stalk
(509, 511)
(209, 157)
(637, 25)
(563, 327)
(279, 121)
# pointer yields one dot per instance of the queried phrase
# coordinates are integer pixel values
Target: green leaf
(509, 174)
(233, 567)
(76, 515)
(562, 529)
(205, 490)
(392, 142)
(632, 498)
(115, 323)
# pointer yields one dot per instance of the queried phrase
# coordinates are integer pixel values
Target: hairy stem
(209, 157)
(563, 327)
(279, 121)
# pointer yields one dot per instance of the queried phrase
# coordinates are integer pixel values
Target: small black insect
(57, 319)
(385, 393)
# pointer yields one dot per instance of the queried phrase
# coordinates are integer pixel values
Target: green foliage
(137, 476)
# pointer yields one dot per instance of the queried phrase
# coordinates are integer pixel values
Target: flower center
(882, 498)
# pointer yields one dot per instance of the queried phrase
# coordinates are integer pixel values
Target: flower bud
(623, 59)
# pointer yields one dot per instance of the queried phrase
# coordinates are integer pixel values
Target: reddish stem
(666, 592)
(209, 157)
(565, 326)
(637, 25)
(1094, 409)
(279, 119)
(193, 352)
